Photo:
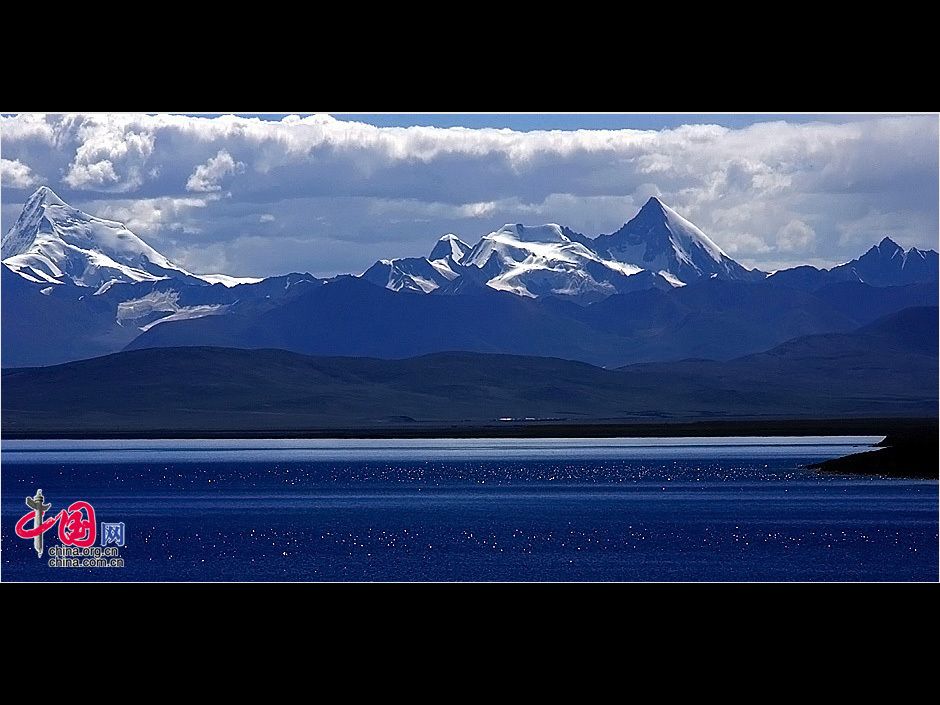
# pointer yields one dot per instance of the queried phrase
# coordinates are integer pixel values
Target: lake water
(686, 509)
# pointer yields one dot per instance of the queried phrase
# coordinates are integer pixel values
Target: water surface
(690, 509)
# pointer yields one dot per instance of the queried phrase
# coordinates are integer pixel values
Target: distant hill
(888, 368)
(890, 364)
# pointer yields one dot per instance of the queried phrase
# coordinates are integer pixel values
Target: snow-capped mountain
(449, 247)
(76, 286)
(421, 275)
(658, 248)
(887, 264)
(660, 240)
(544, 261)
(52, 242)
(413, 274)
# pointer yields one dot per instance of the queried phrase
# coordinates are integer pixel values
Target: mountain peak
(658, 238)
(889, 245)
(549, 232)
(653, 203)
(45, 196)
(52, 242)
(887, 264)
(449, 245)
(21, 236)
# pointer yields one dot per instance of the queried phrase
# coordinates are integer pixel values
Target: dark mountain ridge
(714, 319)
(873, 371)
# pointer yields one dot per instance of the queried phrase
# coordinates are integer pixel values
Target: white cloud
(16, 174)
(110, 156)
(150, 216)
(208, 177)
(746, 243)
(35, 128)
(795, 236)
(875, 223)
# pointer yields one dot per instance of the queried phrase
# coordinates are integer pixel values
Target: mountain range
(887, 368)
(75, 286)
(656, 249)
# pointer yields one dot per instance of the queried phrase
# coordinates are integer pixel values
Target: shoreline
(907, 454)
(909, 449)
(897, 429)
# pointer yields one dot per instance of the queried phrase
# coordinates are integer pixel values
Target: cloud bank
(257, 197)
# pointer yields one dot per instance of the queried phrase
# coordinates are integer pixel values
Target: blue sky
(258, 195)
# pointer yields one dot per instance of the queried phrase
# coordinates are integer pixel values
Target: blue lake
(702, 509)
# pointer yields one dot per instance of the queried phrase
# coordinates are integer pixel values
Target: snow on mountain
(421, 275)
(227, 281)
(552, 260)
(543, 260)
(659, 239)
(410, 274)
(887, 263)
(78, 286)
(147, 311)
(449, 246)
(52, 242)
